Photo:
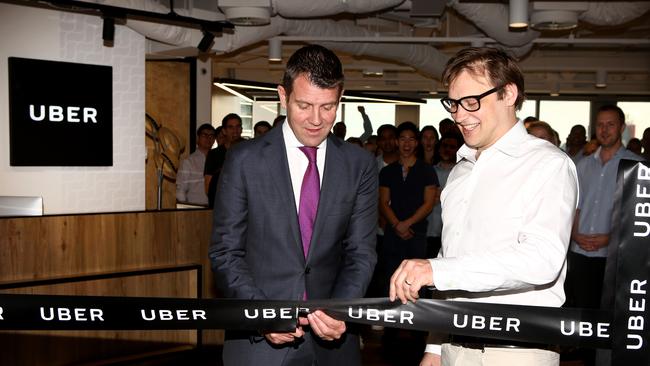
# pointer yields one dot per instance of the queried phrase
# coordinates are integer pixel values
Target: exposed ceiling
(564, 61)
(400, 47)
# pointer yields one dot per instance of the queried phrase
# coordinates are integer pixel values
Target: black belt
(482, 343)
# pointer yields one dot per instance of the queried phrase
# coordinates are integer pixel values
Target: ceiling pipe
(471, 40)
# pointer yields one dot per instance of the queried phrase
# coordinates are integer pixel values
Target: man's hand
(409, 277)
(326, 327)
(430, 359)
(591, 243)
(595, 242)
(403, 230)
(282, 338)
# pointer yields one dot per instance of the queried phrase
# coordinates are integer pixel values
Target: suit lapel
(277, 168)
(329, 188)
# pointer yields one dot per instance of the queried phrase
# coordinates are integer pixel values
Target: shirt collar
(509, 144)
(596, 154)
(291, 141)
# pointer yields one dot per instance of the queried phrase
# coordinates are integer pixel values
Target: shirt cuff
(436, 349)
(432, 276)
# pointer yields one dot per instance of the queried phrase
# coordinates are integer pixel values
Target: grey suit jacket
(256, 250)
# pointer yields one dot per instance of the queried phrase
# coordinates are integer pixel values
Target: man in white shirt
(189, 180)
(507, 211)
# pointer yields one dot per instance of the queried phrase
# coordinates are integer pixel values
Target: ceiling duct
(552, 16)
(246, 12)
(428, 8)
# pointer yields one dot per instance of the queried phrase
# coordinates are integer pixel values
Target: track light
(601, 78)
(108, 31)
(275, 49)
(518, 14)
(434, 87)
(555, 90)
(206, 42)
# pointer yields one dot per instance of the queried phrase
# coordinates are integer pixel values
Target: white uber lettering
(585, 329)
(478, 322)
(178, 314)
(642, 209)
(96, 314)
(76, 314)
(495, 323)
(268, 313)
(90, 114)
(637, 338)
(354, 315)
(56, 113)
(635, 323)
(73, 114)
(601, 330)
(372, 314)
(642, 191)
(646, 228)
(166, 315)
(389, 317)
(285, 313)
(406, 316)
(636, 287)
(33, 116)
(255, 314)
(457, 325)
(643, 172)
(512, 323)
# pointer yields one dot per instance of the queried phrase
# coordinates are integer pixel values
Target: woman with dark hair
(427, 150)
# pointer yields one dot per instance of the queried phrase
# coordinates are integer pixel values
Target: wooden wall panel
(73, 245)
(168, 102)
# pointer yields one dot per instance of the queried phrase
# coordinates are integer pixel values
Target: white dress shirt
(298, 161)
(507, 221)
(190, 186)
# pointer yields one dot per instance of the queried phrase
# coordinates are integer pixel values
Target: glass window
(564, 114)
(379, 114)
(432, 113)
(637, 117)
(528, 109)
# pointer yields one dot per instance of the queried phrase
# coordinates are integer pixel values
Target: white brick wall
(59, 36)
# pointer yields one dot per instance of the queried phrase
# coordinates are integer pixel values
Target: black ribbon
(624, 328)
(589, 328)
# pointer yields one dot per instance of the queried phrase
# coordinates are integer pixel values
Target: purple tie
(309, 196)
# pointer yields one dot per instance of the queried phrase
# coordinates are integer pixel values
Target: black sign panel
(60, 113)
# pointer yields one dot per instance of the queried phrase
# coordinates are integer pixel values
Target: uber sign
(60, 113)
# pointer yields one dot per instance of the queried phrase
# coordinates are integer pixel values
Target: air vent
(555, 15)
(554, 20)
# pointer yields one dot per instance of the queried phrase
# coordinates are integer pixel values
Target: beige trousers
(459, 356)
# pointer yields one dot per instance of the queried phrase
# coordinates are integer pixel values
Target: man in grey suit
(275, 238)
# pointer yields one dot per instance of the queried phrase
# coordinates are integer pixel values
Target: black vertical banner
(631, 328)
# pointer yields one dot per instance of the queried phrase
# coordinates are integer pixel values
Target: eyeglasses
(470, 103)
(208, 135)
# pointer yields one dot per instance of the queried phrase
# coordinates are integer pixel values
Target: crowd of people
(483, 208)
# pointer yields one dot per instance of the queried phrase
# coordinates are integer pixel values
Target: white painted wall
(59, 36)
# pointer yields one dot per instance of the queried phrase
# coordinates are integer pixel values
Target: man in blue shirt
(592, 225)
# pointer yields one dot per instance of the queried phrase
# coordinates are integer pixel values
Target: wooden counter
(105, 248)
